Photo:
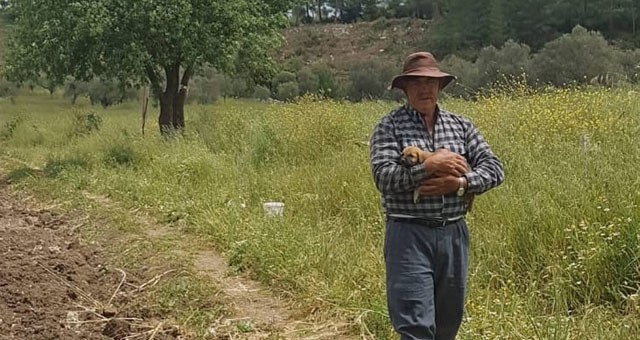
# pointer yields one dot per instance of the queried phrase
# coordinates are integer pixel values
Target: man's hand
(439, 186)
(444, 162)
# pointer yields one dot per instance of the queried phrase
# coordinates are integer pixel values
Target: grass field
(555, 249)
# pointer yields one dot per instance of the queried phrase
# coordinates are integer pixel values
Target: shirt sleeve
(486, 169)
(389, 176)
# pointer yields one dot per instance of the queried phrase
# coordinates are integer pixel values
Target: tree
(159, 42)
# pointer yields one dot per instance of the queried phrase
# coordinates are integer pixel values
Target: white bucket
(273, 208)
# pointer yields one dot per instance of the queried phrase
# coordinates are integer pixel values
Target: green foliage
(85, 123)
(237, 256)
(8, 89)
(55, 166)
(287, 91)
(206, 87)
(141, 42)
(327, 84)
(468, 79)
(506, 64)
(575, 57)
(281, 78)
(308, 81)
(630, 62)
(261, 93)
(108, 92)
(119, 155)
(371, 79)
(122, 38)
(103, 92)
(75, 89)
(234, 87)
(9, 127)
(184, 293)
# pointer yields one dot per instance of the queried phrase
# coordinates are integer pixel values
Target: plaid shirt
(404, 127)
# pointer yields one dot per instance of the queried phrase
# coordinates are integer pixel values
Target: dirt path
(56, 285)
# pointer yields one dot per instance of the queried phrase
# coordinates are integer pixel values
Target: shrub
(234, 87)
(261, 92)
(574, 58)
(630, 62)
(108, 92)
(10, 127)
(55, 166)
(119, 155)
(8, 90)
(466, 72)
(327, 84)
(85, 123)
(204, 90)
(281, 78)
(308, 81)
(74, 89)
(287, 91)
(505, 64)
(370, 80)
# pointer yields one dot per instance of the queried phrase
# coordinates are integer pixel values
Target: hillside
(340, 45)
(3, 37)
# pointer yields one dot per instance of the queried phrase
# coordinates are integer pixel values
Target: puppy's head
(412, 155)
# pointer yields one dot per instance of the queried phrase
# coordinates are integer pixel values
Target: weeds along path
(255, 312)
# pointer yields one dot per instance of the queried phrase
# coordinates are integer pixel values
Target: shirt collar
(415, 115)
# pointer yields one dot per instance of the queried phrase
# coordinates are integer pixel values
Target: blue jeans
(426, 271)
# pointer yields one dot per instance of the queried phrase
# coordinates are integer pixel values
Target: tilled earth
(55, 285)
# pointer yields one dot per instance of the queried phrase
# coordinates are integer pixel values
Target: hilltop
(341, 45)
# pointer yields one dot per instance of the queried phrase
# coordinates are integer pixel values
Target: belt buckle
(441, 224)
(433, 223)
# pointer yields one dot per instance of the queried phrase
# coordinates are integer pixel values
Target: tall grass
(554, 250)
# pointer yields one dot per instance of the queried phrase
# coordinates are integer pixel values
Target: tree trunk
(181, 98)
(167, 99)
(173, 98)
(165, 120)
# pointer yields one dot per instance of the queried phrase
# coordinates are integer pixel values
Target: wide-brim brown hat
(421, 64)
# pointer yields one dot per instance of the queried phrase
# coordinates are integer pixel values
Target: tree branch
(155, 81)
(186, 76)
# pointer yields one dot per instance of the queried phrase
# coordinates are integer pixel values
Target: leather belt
(427, 222)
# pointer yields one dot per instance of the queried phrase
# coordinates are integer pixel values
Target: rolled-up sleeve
(487, 171)
(388, 175)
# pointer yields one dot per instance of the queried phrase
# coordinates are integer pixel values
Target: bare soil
(55, 285)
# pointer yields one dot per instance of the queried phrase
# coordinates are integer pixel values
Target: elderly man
(426, 241)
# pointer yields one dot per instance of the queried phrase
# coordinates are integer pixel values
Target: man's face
(422, 93)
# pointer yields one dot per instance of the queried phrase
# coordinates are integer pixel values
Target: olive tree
(155, 42)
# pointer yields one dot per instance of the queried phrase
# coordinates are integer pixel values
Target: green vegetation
(554, 250)
(162, 44)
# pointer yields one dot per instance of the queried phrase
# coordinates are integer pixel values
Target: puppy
(412, 155)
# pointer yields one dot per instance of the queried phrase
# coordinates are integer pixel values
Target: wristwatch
(461, 190)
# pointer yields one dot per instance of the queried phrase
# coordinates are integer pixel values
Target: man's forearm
(391, 177)
(484, 177)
